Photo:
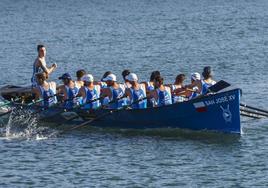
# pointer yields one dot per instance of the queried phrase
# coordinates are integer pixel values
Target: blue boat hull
(218, 112)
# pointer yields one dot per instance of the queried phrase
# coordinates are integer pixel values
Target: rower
(102, 83)
(68, 91)
(136, 92)
(204, 84)
(161, 96)
(207, 81)
(125, 73)
(40, 64)
(177, 89)
(113, 93)
(89, 92)
(45, 91)
(195, 77)
(150, 84)
(79, 74)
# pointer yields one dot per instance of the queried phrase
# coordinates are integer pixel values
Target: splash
(22, 124)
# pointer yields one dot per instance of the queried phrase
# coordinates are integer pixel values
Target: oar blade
(219, 86)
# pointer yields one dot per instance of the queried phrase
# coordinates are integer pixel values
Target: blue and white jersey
(176, 99)
(205, 86)
(137, 95)
(71, 97)
(91, 95)
(48, 96)
(36, 69)
(150, 86)
(117, 93)
(194, 94)
(103, 85)
(164, 97)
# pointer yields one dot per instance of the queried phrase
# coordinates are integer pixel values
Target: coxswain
(114, 94)
(68, 91)
(40, 65)
(161, 96)
(79, 74)
(136, 92)
(89, 92)
(44, 90)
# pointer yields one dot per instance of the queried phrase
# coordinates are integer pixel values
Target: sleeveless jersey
(71, 94)
(164, 97)
(48, 95)
(136, 95)
(36, 70)
(150, 86)
(117, 93)
(176, 99)
(205, 86)
(91, 95)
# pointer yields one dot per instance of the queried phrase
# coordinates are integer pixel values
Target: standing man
(40, 64)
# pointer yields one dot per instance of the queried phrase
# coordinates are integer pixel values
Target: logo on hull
(226, 114)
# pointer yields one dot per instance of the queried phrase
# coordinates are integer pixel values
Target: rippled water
(172, 36)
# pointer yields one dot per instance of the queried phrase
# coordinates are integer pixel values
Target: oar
(250, 115)
(76, 107)
(103, 115)
(253, 108)
(253, 112)
(10, 102)
(220, 85)
(91, 101)
(27, 105)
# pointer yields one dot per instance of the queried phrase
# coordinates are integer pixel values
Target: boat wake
(21, 124)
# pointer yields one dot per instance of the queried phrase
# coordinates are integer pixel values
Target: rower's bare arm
(81, 92)
(128, 93)
(178, 91)
(105, 92)
(197, 84)
(46, 69)
(36, 93)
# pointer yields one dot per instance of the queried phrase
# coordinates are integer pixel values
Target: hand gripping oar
(253, 108)
(103, 115)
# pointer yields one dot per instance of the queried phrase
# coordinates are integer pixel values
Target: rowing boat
(216, 112)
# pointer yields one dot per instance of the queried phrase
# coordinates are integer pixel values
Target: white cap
(132, 77)
(110, 77)
(87, 78)
(195, 76)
